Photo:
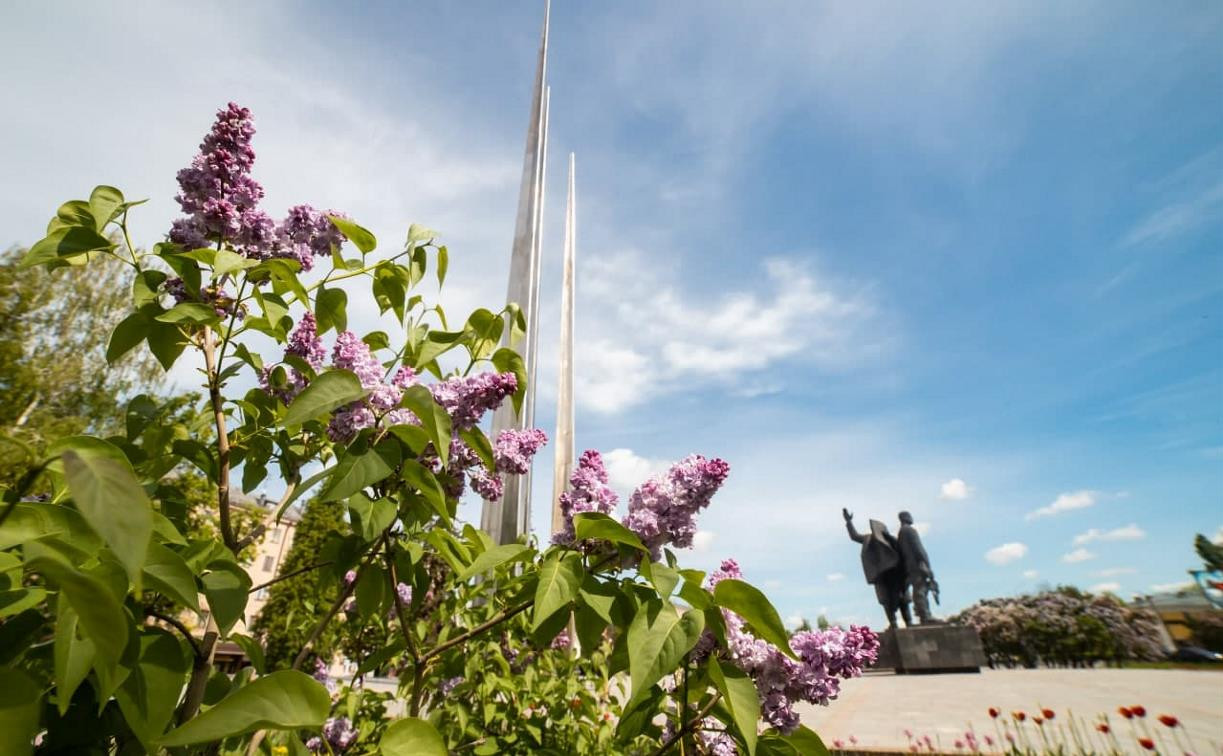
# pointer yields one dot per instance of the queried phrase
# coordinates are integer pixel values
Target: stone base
(930, 649)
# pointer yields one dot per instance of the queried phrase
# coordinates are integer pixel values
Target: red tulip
(1138, 711)
(1167, 720)
(1019, 716)
(1102, 727)
(1125, 712)
(1038, 720)
(1049, 714)
(1147, 743)
(993, 713)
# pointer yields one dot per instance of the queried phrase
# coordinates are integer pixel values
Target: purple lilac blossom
(663, 510)
(561, 641)
(304, 342)
(825, 658)
(447, 686)
(514, 449)
(340, 733)
(717, 742)
(221, 201)
(306, 233)
(588, 492)
(351, 353)
(466, 399)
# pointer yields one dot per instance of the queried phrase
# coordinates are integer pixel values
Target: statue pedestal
(930, 649)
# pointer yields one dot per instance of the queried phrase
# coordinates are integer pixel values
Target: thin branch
(258, 531)
(689, 727)
(335, 607)
(292, 574)
(180, 627)
(199, 673)
(464, 637)
(218, 416)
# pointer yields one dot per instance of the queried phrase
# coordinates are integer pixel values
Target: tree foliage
(54, 379)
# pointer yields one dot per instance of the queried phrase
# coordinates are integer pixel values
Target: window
(262, 593)
(268, 563)
(275, 537)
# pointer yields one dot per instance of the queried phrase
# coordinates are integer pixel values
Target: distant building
(269, 555)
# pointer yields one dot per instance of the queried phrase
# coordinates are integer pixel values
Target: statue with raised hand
(882, 566)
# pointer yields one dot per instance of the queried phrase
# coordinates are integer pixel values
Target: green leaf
(419, 233)
(29, 522)
(658, 638)
(559, 580)
(145, 285)
(228, 261)
(166, 342)
(493, 558)
(413, 436)
(65, 242)
(432, 416)
(598, 525)
(749, 603)
(443, 263)
(483, 331)
(17, 600)
(252, 649)
(741, 700)
(168, 573)
(506, 360)
(330, 309)
(150, 693)
(412, 737)
(332, 389)
(189, 312)
(663, 578)
(20, 705)
(807, 742)
(599, 596)
(127, 336)
(479, 443)
(371, 592)
(73, 656)
(105, 202)
(370, 518)
(111, 500)
(101, 618)
(226, 587)
(364, 240)
(422, 478)
(284, 700)
(357, 469)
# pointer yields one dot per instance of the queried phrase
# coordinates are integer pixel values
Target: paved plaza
(878, 708)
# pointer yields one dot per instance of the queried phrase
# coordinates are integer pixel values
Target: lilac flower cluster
(588, 492)
(466, 399)
(304, 342)
(716, 740)
(339, 734)
(221, 201)
(663, 509)
(825, 658)
(514, 449)
(320, 674)
(447, 686)
(562, 641)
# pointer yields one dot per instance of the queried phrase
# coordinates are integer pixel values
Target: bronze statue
(894, 564)
(883, 566)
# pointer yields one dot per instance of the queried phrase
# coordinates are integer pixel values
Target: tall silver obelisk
(507, 519)
(563, 466)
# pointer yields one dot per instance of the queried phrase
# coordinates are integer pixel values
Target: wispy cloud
(1105, 588)
(1006, 553)
(1177, 218)
(1065, 503)
(834, 577)
(1031, 574)
(1115, 572)
(1078, 555)
(1129, 532)
(1171, 587)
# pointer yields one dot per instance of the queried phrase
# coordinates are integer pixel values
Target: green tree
(54, 378)
(280, 623)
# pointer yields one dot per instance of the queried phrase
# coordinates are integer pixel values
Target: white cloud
(922, 528)
(1006, 553)
(794, 621)
(653, 338)
(1115, 572)
(1171, 587)
(1105, 588)
(1031, 574)
(1129, 532)
(1066, 502)
(955, 490)
(1218, 537)
(834, 577)
(626, 469)
(702, 541)
(1078, 555)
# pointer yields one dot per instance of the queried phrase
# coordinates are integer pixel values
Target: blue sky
(862, 251)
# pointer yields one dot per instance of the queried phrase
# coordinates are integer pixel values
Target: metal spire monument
(507, 519)
(563, 465)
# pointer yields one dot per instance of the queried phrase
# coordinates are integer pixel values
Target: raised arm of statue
(849, 525)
